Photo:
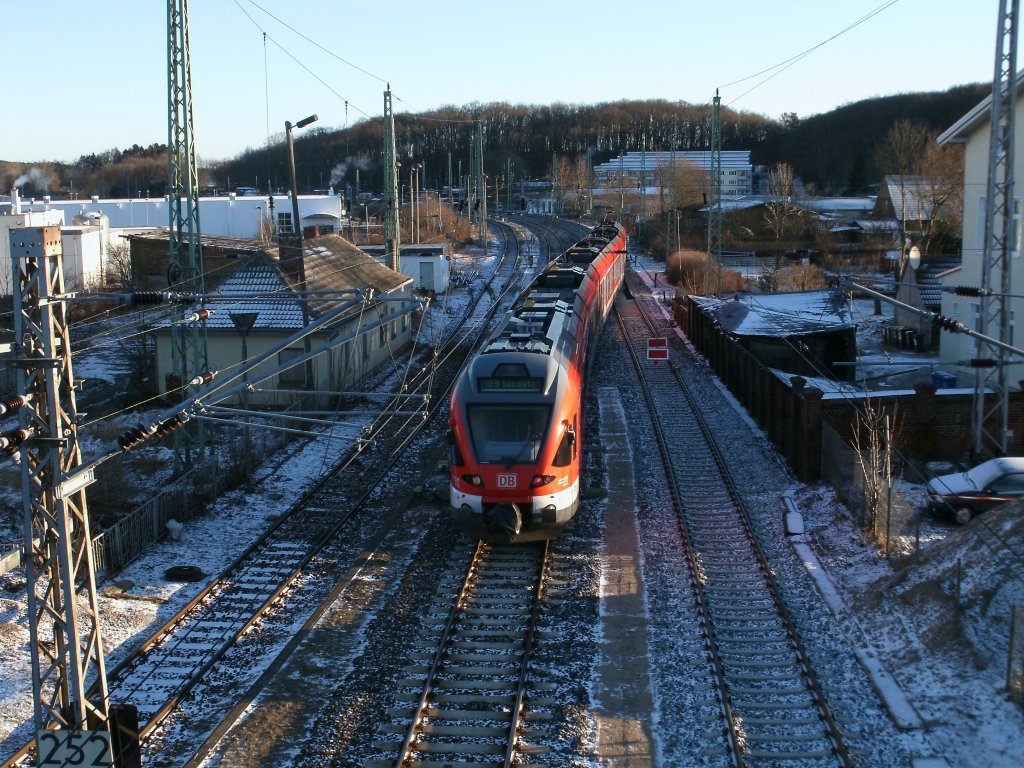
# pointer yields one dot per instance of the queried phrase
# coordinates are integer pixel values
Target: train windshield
(508, 434)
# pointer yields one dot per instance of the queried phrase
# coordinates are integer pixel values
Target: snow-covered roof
(878, 225)
(909, 195)
(334, 268)
(335, 264)
(836, 204)
(258, 277)
(779, 314)
(739, 203)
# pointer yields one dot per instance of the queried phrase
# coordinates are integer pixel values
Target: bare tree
(899, 155)
(942, 188)
(119, 267)
(572, 182)
(779, 210)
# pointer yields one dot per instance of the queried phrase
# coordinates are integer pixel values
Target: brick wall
(929, 425)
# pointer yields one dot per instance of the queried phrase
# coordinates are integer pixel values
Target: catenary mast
(185, 270)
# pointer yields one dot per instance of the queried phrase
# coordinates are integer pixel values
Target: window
(292, 377)
(563, 456)
(1009, 485)
(512, 434)
(284, 221)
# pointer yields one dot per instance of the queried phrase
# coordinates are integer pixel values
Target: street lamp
(297, 232)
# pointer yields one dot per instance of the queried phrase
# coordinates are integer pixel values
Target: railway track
(772, 706)
(464, 700)
(161, 672)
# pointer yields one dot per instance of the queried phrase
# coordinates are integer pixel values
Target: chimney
(15, 202)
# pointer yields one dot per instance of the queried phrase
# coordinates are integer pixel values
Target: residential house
(973, 131)
(262, 295)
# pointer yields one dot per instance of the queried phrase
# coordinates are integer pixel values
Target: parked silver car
(962, 495)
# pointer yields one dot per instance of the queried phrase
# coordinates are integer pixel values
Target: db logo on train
(506, 481)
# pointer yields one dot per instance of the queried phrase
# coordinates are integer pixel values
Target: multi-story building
(648, 169)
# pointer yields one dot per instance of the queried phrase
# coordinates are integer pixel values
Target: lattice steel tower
(990, 423)
(392, 230)
(62, 606)
(185, 270)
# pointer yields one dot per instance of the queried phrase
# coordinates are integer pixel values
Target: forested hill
(831, 151)
(834, 151)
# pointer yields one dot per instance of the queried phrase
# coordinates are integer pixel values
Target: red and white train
(516, 411)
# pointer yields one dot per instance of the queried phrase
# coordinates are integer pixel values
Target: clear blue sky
(86, 77)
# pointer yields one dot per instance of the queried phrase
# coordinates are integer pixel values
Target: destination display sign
(509, 384)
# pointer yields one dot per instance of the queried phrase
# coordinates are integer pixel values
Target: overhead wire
(787, 63)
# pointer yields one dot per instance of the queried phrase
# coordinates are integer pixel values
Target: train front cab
(515, 465)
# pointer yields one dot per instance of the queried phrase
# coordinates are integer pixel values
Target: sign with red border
(657, 349)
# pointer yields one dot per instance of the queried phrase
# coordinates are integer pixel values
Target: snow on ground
(935, 627)
(946, 653)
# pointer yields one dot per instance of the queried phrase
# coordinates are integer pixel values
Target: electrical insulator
(134, 436)
(203, 378)
(11, 440)
(949, 324)
(983, 362)
(967, 290)
(200, 314)
(146, 297)
(12, 403)
(168, 425)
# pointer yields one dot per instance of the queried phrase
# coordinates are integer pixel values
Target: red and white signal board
(657, 349)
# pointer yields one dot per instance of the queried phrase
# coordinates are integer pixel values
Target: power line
(793, 60)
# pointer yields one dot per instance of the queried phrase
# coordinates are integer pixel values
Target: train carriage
(516, 412)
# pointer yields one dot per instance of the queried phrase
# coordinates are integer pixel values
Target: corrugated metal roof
(779, 314)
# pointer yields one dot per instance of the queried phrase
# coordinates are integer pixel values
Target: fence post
(1015, 656)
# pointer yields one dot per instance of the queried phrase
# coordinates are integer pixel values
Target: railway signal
(657, 349)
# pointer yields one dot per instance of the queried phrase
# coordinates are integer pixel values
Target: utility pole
(991, 424)
(714, 276)
(64, 622)
(480, 181)
(643, 185)
(392, 235)
(508, 185)
(185, 271)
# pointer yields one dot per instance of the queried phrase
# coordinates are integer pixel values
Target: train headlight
(473, 480)
(541, 480)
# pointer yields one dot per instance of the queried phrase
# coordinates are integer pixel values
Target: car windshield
(508, 434)
(983, 474)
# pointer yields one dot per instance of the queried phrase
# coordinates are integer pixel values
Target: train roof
(543, 316)
(539, 317)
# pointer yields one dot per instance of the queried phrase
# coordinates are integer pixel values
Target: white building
(648, 169)
(230, 216)
(973, 131)
(428, 264)
(83, 244)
